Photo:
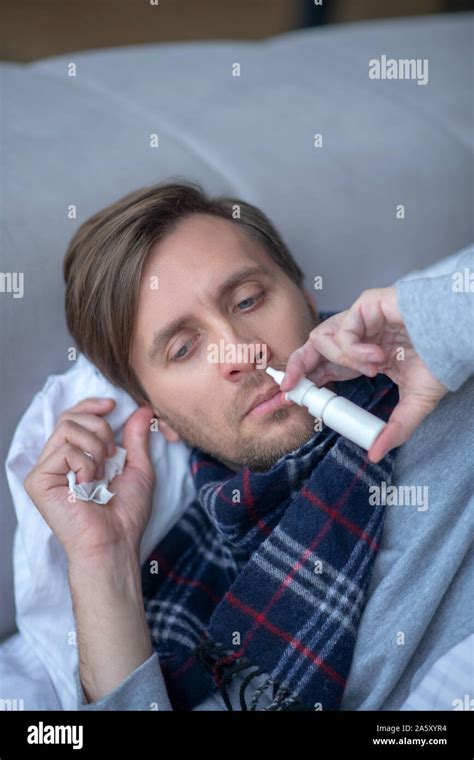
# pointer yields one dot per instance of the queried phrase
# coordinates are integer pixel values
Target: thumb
(136, 439)
(403, 421)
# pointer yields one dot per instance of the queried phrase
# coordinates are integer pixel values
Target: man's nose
(235, 356)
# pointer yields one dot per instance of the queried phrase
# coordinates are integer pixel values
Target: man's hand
(368, 338)
(85, 529)
(101, 541)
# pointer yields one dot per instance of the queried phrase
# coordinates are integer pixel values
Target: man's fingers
(87, 431)
(366, 353)
(351, 329)
(136, 440)
(54, 468)
(327, 372)
(352, 362)
(98, 426)
(322, 360)
(89, 413)
(364, 320)
(92, 405)
(404, 420)
(69, 431)
(303, 360)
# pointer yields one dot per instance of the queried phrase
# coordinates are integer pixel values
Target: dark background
(34, 29)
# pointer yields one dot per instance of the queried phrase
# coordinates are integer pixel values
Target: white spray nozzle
(276, 374)
(337, 412)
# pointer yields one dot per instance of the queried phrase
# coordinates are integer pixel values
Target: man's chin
(262, 440)
(274, 435)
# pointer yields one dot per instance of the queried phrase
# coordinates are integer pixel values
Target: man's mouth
(266, 402)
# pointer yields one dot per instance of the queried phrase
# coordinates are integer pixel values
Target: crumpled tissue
(96, 490)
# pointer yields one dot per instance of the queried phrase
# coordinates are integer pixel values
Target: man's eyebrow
(161, 338)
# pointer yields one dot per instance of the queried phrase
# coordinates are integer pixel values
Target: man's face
(196, 398)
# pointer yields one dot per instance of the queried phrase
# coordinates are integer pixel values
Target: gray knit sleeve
(143, 689)
(438, 312)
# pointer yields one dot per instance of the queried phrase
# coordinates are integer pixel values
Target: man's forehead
(205, 231)
(202, 255)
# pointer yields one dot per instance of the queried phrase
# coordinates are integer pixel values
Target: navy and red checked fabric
(266, 573)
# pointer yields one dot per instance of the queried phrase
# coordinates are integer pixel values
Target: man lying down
(302, 576)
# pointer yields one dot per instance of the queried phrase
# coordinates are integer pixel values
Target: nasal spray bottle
(336, 412)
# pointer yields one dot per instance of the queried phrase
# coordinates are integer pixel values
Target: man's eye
(244, 305)
(179, 354)
(248, 302)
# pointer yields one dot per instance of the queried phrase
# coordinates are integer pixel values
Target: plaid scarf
(266, 573)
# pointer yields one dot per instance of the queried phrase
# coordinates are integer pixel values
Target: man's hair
(105, 258)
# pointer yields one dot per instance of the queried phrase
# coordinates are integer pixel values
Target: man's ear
(169, 433)
(312, 306)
